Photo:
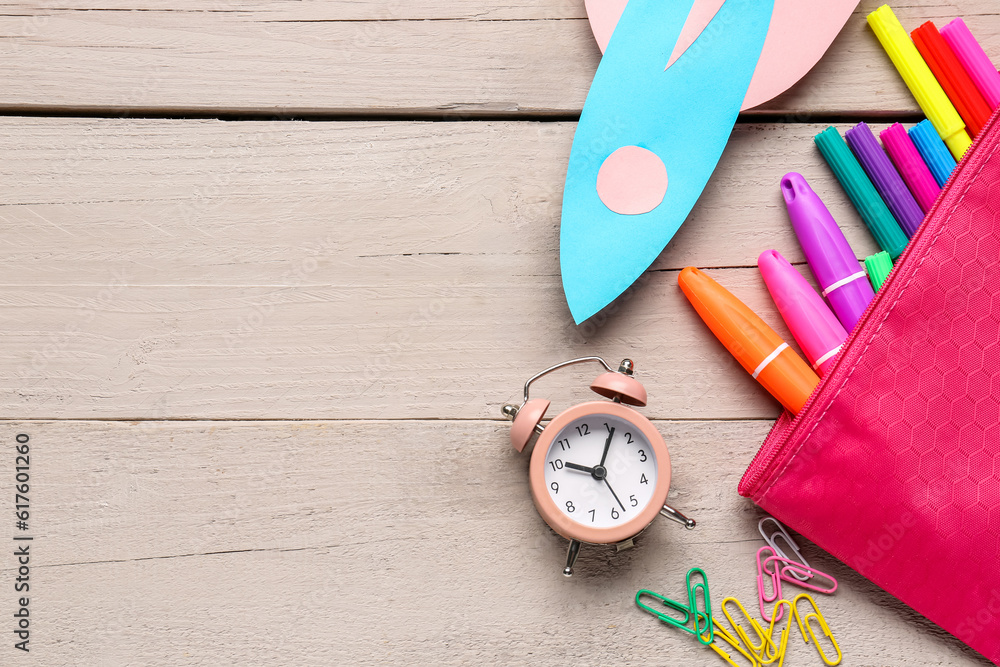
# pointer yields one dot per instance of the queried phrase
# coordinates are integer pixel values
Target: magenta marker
(911, 166)
(833, 263)
(816, 329)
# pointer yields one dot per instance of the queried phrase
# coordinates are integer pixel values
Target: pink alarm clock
(599, 471)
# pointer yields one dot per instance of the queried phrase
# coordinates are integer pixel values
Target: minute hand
(613, 493)
(607, 446)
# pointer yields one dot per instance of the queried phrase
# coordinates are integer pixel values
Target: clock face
(601, 471)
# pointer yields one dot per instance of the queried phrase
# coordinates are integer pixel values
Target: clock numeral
(642, 456)
(593, 514)
(554, 486)
(557, 464)
(563, 443)
(614, 513)
(607, 427)
(635, 502)
(643, 480)
(569, 506)
(628, 438)
(583, 430)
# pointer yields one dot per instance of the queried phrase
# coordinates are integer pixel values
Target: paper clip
(703, 625)
(768, 553)
(761, 650)
(783, 642)
(783, 570)
(722, 634)
(786, 570)
(815, 614)
(783, 534)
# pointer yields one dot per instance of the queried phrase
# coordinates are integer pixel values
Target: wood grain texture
(202, 269)
(458, 59)
(380, 288)
(374, 542)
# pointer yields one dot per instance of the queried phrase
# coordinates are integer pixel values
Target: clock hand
(613, 493)
(577, 466)
(607, 446)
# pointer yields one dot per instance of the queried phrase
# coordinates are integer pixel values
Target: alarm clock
(599, 472)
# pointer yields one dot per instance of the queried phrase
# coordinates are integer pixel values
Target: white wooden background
(261, 359)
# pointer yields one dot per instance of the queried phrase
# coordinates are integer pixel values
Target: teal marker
(862, 193)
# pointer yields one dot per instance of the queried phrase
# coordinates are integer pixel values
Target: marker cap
(955, 81)
(974, 60)
(816, 329)
(862, 193)
(830, 257)
(911, 166)
(885, 178)
(755, 345)
(919, 79)
(878, 266)
(933, 151)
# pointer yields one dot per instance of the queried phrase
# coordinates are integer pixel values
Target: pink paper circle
(632, 181)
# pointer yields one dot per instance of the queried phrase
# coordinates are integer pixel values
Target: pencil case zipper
(784, 431)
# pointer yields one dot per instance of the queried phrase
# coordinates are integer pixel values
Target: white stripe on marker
(829, 355)
(769, 358)
(844, 281)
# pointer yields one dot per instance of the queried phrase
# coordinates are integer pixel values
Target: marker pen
(957, 83)
(754, 344)
(816, 329)
(911, 166)
(885, 178)
(830, 257)
(974, 60)
(919, 79)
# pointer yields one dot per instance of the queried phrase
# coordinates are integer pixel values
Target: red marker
(957, 83)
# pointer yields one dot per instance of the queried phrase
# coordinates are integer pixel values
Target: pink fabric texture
(893, 466)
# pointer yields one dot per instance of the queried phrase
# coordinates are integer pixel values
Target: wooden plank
(409, 542)
(515, 58)
(205, 269)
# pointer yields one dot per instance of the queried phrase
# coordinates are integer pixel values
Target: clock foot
(674, 515)
(574, 551)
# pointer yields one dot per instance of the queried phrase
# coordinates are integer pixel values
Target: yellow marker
(919, 79)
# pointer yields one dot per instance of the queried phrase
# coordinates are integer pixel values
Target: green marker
(863, 195)
(878, 267)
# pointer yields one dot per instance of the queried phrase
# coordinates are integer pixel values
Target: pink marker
(911, 166)
(974, 60)
(816, 329)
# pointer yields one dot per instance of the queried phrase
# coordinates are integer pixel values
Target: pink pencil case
(893, 465)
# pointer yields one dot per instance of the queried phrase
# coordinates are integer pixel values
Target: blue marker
(937, 156)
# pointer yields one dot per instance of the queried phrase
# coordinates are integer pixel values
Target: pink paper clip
(780, 569)
(775, 582)
(787, 571)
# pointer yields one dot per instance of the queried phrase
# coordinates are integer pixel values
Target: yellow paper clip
(804, 624)
(783, 642)
(765, 652)
(721, 634)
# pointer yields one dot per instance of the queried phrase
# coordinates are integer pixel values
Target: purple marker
(833, 263)
(885, 178)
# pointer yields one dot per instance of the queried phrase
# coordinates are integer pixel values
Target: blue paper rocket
(649, 132)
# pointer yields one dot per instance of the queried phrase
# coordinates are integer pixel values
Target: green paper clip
(862, 193)
(878, 267)
(703, 625)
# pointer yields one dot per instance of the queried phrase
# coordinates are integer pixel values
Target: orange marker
(754, 344)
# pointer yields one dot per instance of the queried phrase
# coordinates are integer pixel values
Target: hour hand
(577, 466)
